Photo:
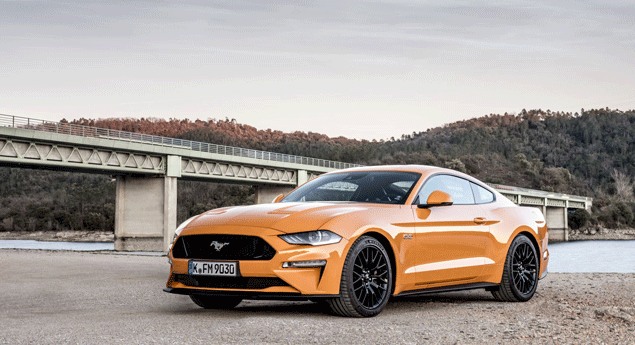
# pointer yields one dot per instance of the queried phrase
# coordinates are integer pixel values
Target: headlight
(313, 238)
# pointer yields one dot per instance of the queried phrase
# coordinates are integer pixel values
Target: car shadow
(455, 297)
(251, 308)
(274, 308)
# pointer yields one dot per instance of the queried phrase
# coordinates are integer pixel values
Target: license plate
(213, 268)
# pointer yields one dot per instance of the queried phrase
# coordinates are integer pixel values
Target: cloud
(424, 61)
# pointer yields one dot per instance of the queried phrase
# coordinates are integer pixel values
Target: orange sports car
(354, 238)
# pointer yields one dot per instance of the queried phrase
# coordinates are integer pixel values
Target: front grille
(222, 247)
(255, 283)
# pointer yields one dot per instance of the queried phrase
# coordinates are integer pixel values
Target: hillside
(587, 153)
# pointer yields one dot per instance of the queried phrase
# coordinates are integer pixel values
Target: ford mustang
(353, 238)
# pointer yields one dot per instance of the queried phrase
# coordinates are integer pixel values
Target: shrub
(579, 219)
(617, 214)
(94, 221)
(456, 164)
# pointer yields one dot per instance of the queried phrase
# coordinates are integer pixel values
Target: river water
(79, 246)
(566, 257)
(592, 256)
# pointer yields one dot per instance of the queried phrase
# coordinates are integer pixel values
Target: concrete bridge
(554, 206)
(147, 168)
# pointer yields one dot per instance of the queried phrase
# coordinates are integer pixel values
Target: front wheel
(366, 280)
(520, 274)
(215, 302)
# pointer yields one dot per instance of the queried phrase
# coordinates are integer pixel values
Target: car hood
(285, 217)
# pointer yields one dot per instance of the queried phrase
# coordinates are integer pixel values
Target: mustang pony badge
(218, 245)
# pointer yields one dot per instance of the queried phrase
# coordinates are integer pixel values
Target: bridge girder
(31, 153)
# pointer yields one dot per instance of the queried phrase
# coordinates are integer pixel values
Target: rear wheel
(520, 274)
(215, 302)
(366, 280)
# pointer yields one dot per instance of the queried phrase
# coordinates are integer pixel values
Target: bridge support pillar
(266, 194)
(145, 213)
(302, 177)
(557, 223)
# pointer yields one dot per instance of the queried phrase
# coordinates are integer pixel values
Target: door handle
(480, 220)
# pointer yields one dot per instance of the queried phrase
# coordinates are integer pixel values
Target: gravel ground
(69, 298)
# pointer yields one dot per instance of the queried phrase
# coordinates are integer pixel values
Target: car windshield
(382, 187)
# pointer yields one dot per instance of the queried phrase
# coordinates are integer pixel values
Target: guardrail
(113, 134)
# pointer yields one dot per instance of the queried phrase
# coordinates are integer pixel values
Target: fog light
(304, 264)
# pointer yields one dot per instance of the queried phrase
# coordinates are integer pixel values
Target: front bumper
(261, 279)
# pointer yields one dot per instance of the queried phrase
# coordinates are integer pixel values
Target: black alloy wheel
(520, 274)
(370, 277)
(366, 280)
(215, 302)
(524, 268)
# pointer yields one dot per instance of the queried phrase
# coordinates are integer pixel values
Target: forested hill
(587, 153)
(563, 152)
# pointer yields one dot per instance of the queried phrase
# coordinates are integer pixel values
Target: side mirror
(278, 198)
(437, 198)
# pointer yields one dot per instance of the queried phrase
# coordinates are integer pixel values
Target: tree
(623, 185)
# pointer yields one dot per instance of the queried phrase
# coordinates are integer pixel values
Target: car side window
(458, 188)
(482, 195)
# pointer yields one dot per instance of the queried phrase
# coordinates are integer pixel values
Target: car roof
(424, 170)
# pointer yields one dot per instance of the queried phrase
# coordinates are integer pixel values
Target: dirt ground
(97, 298)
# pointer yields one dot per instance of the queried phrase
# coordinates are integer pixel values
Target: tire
(215, 302)
(520, 274)
(366, 282)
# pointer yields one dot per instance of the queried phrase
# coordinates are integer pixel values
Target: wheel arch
(502, 241)
(391, 254)
(534, 242)
(508, 289)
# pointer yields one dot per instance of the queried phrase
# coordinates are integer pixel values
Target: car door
(451, 240)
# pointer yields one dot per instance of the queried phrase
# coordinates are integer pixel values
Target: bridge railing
(114, 134)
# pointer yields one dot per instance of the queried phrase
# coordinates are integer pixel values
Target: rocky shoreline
(601, 234)
(59, 236)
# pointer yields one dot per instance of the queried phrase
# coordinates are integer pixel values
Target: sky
(360, 69)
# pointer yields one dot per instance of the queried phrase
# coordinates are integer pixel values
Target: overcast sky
(362, 69)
